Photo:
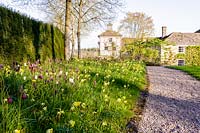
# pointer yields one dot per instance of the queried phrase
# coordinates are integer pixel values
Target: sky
(176, 15)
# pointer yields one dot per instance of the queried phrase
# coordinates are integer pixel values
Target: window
(110, 39)
(106, 48)
(181, 62)
(114, 48)
(180, 49)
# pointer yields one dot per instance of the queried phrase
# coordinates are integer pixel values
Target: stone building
(177, 45)
(110, 42)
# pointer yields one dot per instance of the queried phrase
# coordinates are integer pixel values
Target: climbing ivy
(193, 55)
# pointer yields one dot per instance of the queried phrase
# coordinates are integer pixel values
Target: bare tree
(137, 25)
(87, 14)
(67, 29)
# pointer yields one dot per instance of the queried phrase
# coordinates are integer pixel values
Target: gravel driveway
(173, 104)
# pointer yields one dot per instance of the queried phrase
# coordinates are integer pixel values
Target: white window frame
(181, 49)
(182, 63)
(110, 40)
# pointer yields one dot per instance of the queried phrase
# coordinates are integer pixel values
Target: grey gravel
(173, 104)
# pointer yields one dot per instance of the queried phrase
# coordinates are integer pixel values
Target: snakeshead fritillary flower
(40, 77)
(1, 66)
(24, 96)
(36, 77)
(10, 100)
(71, 80)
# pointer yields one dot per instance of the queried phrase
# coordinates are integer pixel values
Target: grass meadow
(80, 96)
(191, 70)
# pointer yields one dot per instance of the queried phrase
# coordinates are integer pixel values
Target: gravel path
(173, 104)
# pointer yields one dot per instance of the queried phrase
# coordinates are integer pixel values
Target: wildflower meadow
(80, 96)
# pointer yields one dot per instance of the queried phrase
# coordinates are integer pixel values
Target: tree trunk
(79, 28)
(73, 43)
(67, 29)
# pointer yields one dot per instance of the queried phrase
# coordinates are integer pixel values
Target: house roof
(110, 33)
(198, 31)
(183, 38)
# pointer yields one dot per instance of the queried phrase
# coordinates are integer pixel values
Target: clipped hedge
(23, 38)
(192, 55)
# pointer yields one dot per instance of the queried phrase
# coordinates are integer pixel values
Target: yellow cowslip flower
(17, 131)
(119, 100)
(60, 112)
(45, 108)
(83, 80)
(104, 123)
(21, 71)
(83, 105)
(72, 108)
(76, 104)
(33, 80)
(5, 100)
(49, 130)
(72, 123)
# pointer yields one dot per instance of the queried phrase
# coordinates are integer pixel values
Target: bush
(22, 38)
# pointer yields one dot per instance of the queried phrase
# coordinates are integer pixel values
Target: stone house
(177, 46)
(111, 42)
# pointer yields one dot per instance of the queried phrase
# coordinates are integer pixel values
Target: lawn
(192, 70)
(80, 96)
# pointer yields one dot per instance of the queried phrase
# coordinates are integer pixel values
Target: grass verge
(191, 70)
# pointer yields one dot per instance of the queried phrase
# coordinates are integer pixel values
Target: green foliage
(192, 70)
(193, 55)
(83, 96)
(22, 38)
(147, 51)
(180, 56)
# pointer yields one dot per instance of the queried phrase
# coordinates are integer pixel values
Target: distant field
(192, 70)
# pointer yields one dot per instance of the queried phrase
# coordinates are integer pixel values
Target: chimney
(109, 26)
(164, 31)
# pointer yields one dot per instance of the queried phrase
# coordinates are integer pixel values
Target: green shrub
(22, 38)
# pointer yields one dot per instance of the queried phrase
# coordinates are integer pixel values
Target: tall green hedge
(23, 38)
(192, 55)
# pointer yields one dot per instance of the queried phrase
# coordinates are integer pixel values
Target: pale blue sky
(177, 15)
